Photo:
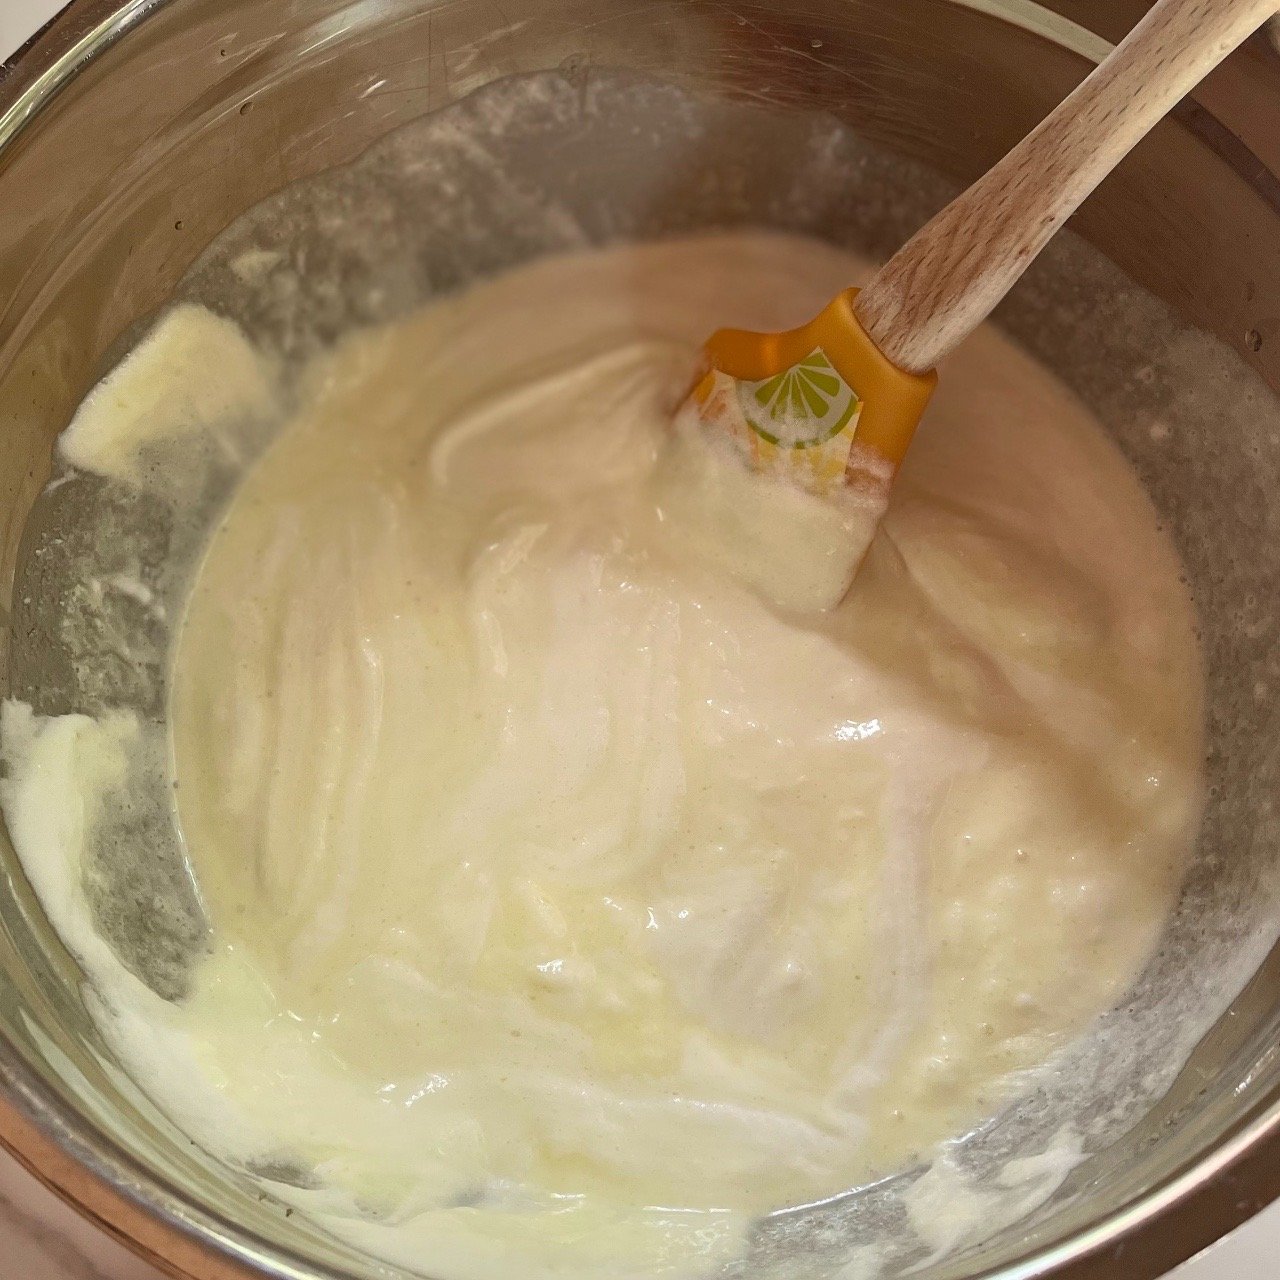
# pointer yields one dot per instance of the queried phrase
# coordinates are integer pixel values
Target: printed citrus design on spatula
(803, 406)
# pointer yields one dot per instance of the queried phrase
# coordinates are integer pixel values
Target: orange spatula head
(819, 404)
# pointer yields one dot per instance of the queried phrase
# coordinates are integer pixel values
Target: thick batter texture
(577, 893)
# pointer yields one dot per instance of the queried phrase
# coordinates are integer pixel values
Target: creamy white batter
(556, 860)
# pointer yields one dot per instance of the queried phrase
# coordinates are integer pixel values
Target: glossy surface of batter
(579, 892)
(550, 857)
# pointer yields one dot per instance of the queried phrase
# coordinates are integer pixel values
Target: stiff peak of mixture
(556, 863)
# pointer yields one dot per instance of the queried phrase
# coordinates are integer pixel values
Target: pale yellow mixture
(555, 862)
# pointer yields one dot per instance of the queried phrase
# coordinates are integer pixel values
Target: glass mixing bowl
(132, 132)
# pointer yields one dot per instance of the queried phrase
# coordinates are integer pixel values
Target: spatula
(835, 402)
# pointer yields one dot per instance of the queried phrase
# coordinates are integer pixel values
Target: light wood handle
(949, 276)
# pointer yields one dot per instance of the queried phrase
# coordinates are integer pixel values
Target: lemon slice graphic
(803, 406)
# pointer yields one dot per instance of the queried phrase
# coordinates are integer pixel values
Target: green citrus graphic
(803, 406)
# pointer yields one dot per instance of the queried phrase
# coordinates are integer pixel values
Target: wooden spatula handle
(945, 281)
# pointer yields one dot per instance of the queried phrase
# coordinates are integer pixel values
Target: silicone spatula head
(819, 404)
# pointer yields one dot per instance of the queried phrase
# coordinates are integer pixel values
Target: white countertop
(41, 1239)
